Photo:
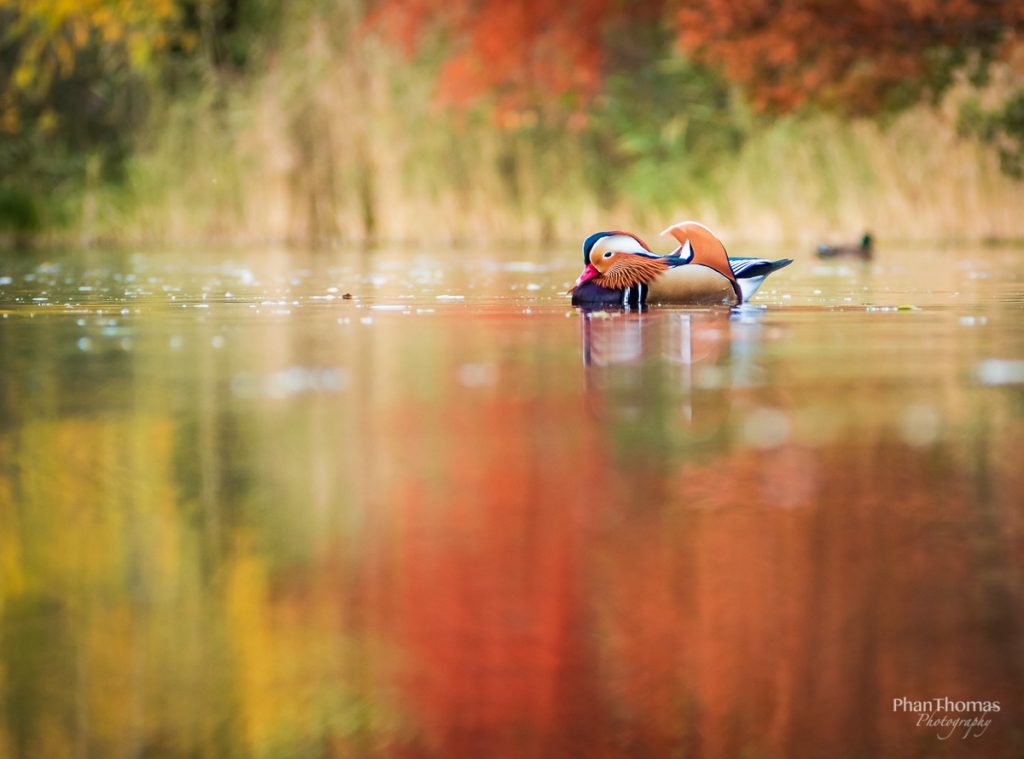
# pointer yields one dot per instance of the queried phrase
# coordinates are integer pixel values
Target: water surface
(260, 503)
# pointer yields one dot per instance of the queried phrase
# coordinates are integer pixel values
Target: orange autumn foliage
(784, 53)
(848, 54)
(523, 53)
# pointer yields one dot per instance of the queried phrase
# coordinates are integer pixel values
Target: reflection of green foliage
(1002, 127)
(33, 644)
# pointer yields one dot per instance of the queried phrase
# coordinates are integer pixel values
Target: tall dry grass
(340, 140)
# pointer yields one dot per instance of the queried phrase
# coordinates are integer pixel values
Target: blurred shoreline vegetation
(175, 121)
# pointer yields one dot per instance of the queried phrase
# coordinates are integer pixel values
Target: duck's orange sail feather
(707, 249)
(630, 270)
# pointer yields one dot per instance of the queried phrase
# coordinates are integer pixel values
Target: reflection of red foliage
(487, 598)
(546, 602)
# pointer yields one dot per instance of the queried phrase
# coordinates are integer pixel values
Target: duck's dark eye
(608, 254)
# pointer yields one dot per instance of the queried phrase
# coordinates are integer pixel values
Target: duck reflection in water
(642, 361)
(672, 385)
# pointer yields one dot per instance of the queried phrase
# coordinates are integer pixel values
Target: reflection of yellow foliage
(12, 580)
(58, 510)
(288, 669)
(54, 741)
(112, 650)
(246, 606)
(146, 646)
(89, 525)
(295, 678)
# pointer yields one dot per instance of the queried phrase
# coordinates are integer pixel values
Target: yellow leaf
(10, 121)
(80, 33)
(23, 76)
(48, 121)
(65, 56)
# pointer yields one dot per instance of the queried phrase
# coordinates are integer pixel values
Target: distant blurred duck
(620, 270)
(864, 250)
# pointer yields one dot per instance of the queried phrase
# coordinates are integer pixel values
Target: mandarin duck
(864, 250)
(620, 270)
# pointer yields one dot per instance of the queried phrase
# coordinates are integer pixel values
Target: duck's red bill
(588, 274)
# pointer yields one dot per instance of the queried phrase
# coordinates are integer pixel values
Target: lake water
(242, 514)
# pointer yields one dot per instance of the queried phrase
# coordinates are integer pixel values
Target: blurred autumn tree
(861, 58)
(77, 80)
(864, 58)
(856, 57)
(634, 91)
(604, 70)
(71, 79)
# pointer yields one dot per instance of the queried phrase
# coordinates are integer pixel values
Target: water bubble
(84, 343)
(971, 321)
(527, 266)
(244, 386)
(710, 377)
(765, 428)
(477, 375)
(995, 371)
(920, 425)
